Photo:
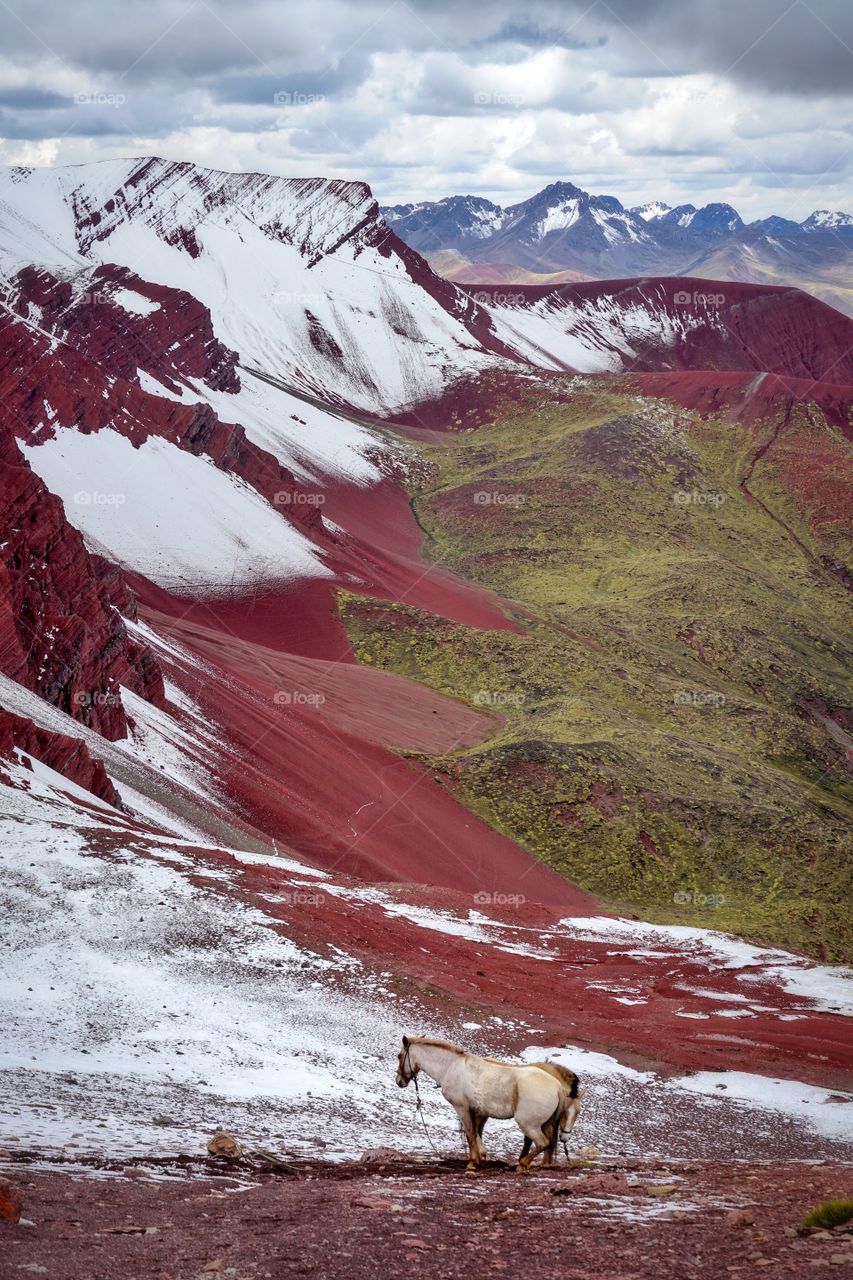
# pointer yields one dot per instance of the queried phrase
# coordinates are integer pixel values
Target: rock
(606, 1183)
(312, 1141)
(661, 1188)
(839, 1259)
(63, 637)
(739, 1218)
(372, 1202)
(225, 1146)
(382, 1153)
(11, 1204)
(413, 1242)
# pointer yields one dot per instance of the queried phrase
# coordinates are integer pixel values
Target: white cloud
(424, 99)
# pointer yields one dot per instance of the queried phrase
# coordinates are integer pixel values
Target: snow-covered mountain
(710, 221)
(565, 229)
(828, 220)
(455, 222)
(651, 211)
(214, 388)
(300, 276)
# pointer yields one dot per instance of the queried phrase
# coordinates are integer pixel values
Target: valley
(383, 655)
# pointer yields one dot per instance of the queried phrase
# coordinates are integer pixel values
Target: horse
(482, 1088)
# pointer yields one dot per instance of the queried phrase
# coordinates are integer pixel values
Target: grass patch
(661, 723)
(834, 1213)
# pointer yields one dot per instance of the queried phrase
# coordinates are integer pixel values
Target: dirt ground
(611, 1219)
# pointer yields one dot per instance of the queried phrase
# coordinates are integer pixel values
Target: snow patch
(171, 516)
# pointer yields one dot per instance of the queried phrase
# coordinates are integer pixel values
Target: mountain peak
(652, 210)
(827, 220)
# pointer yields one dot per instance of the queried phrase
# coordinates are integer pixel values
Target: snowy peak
(651, 211)
(573, 217)
(179, 201)
(827, 220)
(302, 278)
(711, 220)
(564, 227)
(453, 222)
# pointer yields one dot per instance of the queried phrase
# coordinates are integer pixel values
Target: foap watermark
(699, 698)
(499, 98)
(483, 498)
(100, 99)
(294, 98)
(498, 698)
(498, 298)
(298, 298)
(298, 698)
(293, 498)
(302, 898)
(697, 298)
(693, 898)
(97, 698)
(698, 498)
(485, 899)
(95, 298)
(94, 498)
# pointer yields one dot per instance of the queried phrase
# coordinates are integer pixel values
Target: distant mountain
(828, 220)
(565, 229)
(711, 220)
(651, 211)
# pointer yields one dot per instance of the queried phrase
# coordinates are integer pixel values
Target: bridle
(413, 1076)
(407, 1061)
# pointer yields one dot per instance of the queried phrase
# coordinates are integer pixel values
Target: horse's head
(570, 1114)
(405, 1070)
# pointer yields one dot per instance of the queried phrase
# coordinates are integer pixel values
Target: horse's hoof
(522, 1168)
(471, 1168)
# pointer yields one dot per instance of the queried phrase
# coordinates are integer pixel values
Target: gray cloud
(558, 88)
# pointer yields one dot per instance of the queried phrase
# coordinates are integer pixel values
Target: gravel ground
(389, 1216)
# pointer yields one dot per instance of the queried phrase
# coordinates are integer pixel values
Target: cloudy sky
(749, 101)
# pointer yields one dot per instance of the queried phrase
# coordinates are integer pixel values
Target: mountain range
(565, 233)
(381, 652)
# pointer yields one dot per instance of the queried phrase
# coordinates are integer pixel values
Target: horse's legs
(468, 1120)
(540, 1141)
(481, 1124)
(548, 1130)
(528, 1143)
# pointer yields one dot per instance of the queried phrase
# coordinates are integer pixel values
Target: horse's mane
(437, 1044)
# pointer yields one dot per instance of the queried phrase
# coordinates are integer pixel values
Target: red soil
(562, 992)
(739, 395)
(394, 1217)
(322, 776)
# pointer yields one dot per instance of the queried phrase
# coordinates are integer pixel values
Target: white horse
(477, 1088)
